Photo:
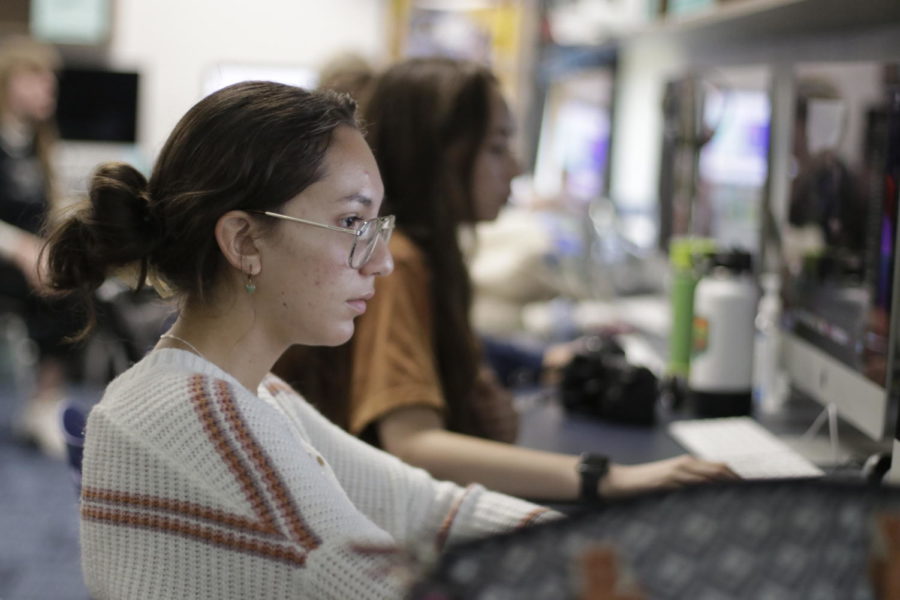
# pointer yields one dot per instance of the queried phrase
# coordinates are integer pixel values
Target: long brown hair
(425, 119)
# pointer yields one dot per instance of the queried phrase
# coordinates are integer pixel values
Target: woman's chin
(338, 336)
(332, 334)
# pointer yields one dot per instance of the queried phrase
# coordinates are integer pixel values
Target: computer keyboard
(746, 446)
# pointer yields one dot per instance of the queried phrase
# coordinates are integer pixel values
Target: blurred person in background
(413, 380)
(27, 200)
(348, 73)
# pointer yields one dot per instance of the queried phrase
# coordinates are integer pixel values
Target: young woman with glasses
(204, 476)
(412, 379)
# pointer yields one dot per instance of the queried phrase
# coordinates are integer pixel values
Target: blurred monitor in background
(97, 105)
(573, 149)
(733, 167)
(840, 241)
(97, 115)
(715, 157)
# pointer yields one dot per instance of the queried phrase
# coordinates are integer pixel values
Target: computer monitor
(97, 105)
(733, 166)
(574, 142)
(839, 242)
(715, 156)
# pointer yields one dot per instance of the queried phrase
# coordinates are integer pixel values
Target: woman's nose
(381, 262)
(515, 165)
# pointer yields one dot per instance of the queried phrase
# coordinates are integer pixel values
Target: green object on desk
(683, 253)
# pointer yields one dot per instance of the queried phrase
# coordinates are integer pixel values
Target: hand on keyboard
(745, 445)
(624, 480)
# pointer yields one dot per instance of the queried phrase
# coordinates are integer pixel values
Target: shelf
(745, 20)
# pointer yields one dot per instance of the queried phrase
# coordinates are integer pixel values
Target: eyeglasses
(365, 238)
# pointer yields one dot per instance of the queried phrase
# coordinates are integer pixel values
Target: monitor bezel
(869, 406)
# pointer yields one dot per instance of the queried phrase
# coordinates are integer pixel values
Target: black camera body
(602, 383)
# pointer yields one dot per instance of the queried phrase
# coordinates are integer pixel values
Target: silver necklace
(171, 336)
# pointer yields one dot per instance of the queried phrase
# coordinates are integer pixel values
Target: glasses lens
(365, 243)
(386, 228)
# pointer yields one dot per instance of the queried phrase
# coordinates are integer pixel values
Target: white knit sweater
(193, 487)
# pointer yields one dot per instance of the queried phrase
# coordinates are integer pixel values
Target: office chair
(73, 418)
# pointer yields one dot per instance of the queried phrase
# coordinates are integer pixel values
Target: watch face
(592, 468)
(594, 463)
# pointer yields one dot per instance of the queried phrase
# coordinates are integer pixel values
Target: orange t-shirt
(394, 365)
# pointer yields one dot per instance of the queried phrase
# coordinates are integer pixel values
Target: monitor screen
(715, 156)
(573, 149)
(733, 167)
(840, 239)
(97, 105)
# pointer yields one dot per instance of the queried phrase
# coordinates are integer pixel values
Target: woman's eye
(498, 146)
(352, 222)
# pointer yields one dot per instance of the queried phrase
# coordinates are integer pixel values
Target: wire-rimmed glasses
(365, 238)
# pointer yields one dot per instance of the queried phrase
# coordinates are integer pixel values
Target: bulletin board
(486, 31)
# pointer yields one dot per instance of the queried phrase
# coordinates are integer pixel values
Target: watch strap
(591, 469)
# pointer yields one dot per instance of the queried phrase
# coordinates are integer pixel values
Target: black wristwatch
(592, 468)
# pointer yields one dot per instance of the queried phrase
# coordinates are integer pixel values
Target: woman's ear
(235, 231)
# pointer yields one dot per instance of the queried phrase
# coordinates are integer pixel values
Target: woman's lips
(358, 305)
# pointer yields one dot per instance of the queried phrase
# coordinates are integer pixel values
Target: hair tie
(151, 224)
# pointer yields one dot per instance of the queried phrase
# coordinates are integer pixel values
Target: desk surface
(546, 425)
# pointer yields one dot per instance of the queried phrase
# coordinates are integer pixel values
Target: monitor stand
(829, 414)
(823, 451)
(858, 454)
(893, 474)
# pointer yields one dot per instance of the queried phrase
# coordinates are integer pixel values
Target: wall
(174, 43)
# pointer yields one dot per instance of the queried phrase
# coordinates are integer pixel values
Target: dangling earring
(250, 286)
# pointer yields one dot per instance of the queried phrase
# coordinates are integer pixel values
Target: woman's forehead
(350, 174)
(501, 119)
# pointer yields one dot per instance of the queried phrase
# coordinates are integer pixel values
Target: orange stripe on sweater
(180, 507)
(279, 491)
(444, 531)
(203, 405)
(531, 517)
(208, 535)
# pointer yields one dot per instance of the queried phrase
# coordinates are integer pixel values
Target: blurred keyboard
(746, 446)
